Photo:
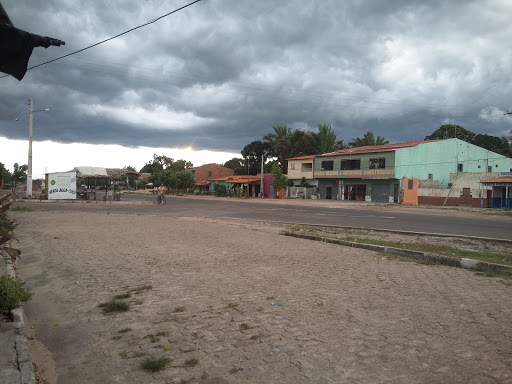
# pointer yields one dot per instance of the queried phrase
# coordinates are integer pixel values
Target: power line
(113, 37)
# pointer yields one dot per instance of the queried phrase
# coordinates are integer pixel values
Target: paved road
(324, 212)
(345, 315)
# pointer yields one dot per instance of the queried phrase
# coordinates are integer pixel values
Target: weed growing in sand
(180, 309)
(124, 330)
(191, 362)
(155, 365)
(245, 326)
(114, 306)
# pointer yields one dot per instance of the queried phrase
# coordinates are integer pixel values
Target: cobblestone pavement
(344, 316)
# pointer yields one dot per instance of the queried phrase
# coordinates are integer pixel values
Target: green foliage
(162, 162)
(155, 365)
(368, 139)
(5, 175)
(326, 139)
(183, 180)
(450, 131)
(220, 190)
(280, 181)
(12, 293)
(19, 174)
(494, 144)
(304, 183)
(115, 306)
(237, 164)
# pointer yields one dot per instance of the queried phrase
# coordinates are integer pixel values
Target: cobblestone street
(204, 289)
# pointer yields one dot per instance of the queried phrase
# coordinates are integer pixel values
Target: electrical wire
(113, 37)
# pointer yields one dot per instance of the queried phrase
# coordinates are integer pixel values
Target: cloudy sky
(221, 73)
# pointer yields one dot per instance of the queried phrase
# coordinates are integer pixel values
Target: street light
(30, 133)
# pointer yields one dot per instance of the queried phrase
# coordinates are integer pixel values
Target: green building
(375, 173)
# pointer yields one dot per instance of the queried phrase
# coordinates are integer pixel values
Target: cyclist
(161, 191)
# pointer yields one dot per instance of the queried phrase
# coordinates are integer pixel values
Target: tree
(5, 175)
(252, 154)
(159, 163)
(304, 183)
(183, 180)
(237, 164)
(279, 141)
(280, 180)
(19, 174)
(368, 139)
(326, 139)
(450, 131)
(494, 144)
(301, 144)
(180, 165)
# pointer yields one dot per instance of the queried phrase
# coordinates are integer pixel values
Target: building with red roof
(377, 173)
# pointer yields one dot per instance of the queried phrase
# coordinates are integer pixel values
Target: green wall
(440, 158)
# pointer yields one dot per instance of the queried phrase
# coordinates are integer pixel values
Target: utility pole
(30, 132)
(262, 190)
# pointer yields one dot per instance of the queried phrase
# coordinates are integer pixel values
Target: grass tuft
(191, 362)
(155, 365)
(114, 306)
(245, 326)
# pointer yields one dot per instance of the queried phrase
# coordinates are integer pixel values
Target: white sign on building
(62, 186)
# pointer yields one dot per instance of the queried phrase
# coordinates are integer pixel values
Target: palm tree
(280, 142)
(368, 139)
(326, 139)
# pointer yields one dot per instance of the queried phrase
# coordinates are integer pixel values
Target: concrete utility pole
(30, 132)
(262, 190)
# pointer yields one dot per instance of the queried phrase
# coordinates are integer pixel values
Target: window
(378, 163)
(327, 165)
(350, 164)
(307, 167)
(430, 176)
(460, 167)
(292, 166)
(489, 169)
(410, 184)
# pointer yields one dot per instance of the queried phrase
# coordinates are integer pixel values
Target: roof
(100, 172)
(239, 179)
(302, 157)
(210, 165)
(498, 181)
(367, 149)
(377, 148)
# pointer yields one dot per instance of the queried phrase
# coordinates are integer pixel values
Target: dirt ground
(234, 302)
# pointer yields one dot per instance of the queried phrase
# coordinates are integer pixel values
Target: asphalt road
(323, 212)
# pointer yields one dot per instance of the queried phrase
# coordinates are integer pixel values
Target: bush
(12, 293)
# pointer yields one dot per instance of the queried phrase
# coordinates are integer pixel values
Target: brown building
(205, 173)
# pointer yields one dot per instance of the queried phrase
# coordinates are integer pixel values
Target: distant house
(204, 174)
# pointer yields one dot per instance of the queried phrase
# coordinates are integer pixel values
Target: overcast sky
(221, 73)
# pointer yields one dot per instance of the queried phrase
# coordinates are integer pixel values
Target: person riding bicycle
(161, 190)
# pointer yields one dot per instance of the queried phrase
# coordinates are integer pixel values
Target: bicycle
(161, 199)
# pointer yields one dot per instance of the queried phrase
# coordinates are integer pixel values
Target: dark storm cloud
(220, 74)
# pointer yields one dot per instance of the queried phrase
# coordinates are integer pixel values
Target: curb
(25, 365)
(417, 255)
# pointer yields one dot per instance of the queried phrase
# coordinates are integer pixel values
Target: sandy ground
(340, 315)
